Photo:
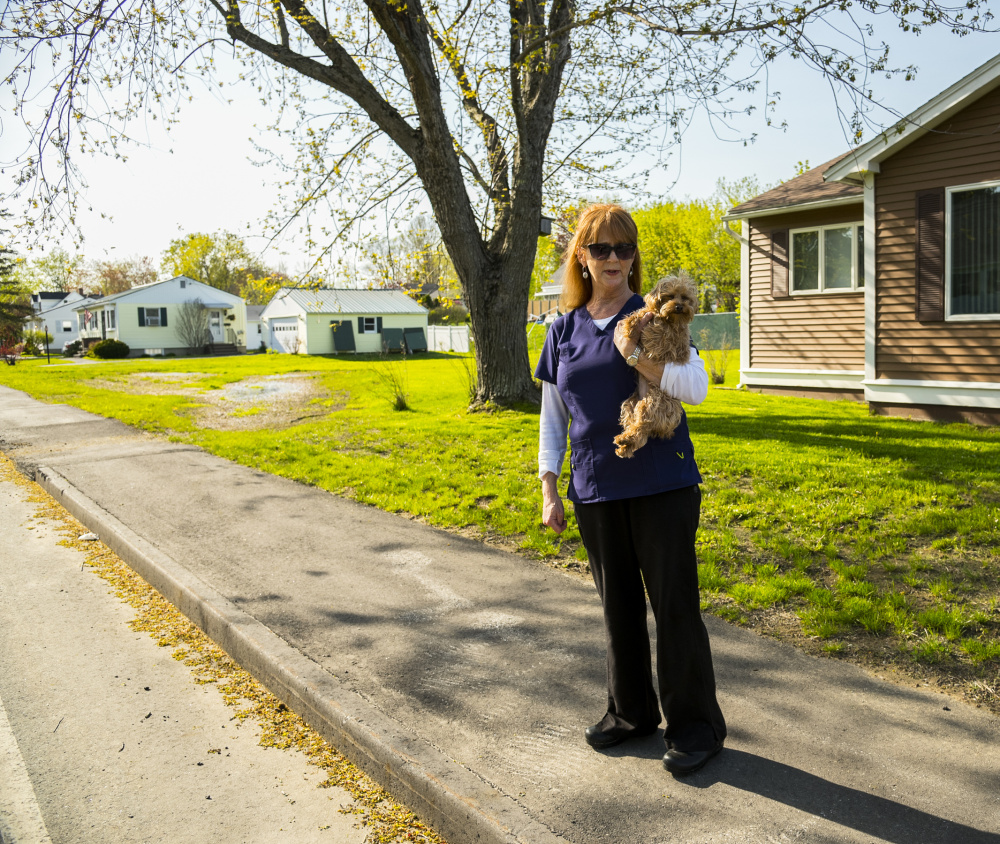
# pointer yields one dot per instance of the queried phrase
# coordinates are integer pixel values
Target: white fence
(448, 338)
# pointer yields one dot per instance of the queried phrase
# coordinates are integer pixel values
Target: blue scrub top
(593, 379)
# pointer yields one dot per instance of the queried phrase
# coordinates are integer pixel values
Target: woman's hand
(626, 342)
(553, 514)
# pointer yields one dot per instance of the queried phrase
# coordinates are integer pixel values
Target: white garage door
(285, 335)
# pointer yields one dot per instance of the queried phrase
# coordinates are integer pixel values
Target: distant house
(146, 318)
(255, 328)
(333, 320)
(544, 305)
(876, 276)
(57, 313)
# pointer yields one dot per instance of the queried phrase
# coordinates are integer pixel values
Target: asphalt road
(106, 738)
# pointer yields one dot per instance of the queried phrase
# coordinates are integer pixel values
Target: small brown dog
(649, 412)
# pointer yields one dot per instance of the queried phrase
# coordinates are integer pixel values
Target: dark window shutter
(163, 317)
(378, 325)
(361, 325)
(142, 317)
(779, 264)
(929, 269)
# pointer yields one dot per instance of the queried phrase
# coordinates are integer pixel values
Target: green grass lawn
(868, 537)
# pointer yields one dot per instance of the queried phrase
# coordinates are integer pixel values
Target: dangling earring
(585, 273)
(630, 272)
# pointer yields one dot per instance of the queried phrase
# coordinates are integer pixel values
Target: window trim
(948, 315)
(854, 225)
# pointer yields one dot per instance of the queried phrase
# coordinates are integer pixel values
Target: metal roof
(331, 300)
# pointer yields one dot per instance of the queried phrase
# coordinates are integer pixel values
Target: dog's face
(674, 299)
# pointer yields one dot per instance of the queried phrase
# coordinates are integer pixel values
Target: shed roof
(335, 300)
(807, 189)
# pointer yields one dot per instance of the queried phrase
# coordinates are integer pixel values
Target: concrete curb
(459, 804)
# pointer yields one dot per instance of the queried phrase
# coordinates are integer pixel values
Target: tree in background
(15, 304)
(110, 277)
(451, 100)
(220, 260)
(690, 237)
(192, 325)
(415, 261)
(57, 271)
(260, 291)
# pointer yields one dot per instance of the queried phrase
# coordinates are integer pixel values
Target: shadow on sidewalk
(880, 817)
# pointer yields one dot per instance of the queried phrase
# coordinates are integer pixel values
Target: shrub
(448, 312)
(71, 349)
(110, 349)
(34, 342)
(717, 359)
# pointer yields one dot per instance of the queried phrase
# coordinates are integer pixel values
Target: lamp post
(45, 328)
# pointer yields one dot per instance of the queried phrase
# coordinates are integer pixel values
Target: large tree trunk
(497, 300)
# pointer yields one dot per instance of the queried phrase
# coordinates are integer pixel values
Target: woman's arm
(687, 382)
(552, 426)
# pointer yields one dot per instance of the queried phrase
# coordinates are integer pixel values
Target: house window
(973, 251)
(827, 259)
(369, 325)
(66, 325)
(152, 317)
(111, 317)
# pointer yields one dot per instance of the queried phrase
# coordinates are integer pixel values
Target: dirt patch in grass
(271, 402)
(153, 384)
(266, 402)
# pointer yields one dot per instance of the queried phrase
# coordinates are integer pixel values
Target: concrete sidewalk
(463, 677)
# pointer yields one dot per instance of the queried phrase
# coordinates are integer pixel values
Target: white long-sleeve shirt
(687, 382)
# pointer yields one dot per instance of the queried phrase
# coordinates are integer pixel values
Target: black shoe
(683, 762)
(599, 739)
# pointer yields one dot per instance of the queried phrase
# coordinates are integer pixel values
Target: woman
(638, 517)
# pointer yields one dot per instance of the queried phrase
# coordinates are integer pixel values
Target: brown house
(876, 276)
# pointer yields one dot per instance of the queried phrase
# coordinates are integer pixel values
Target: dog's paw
(624, 446)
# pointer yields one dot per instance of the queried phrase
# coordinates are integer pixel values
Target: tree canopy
(484, 110)
(220, 260)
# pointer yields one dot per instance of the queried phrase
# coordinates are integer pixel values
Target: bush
(34, 342)
(72, 349)
(110, 349)
(448, 312)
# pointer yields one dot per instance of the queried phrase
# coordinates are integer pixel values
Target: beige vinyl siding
(964, 150)
(147, 337)
(823, 331)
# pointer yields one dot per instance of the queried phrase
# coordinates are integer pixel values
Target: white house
(57, 313)
(255, 328)
(332, 320)
(146, 318)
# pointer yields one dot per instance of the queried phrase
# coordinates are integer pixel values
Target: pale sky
(198, 177)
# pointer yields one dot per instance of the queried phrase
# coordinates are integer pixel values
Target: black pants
(651, 539)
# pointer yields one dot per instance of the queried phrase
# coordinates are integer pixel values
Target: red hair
(619, 227)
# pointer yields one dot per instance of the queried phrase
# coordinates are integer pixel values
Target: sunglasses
(602, 251)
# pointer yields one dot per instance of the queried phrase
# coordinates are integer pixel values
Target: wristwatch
(633, 358)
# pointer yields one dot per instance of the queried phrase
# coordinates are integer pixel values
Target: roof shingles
(802, 190)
